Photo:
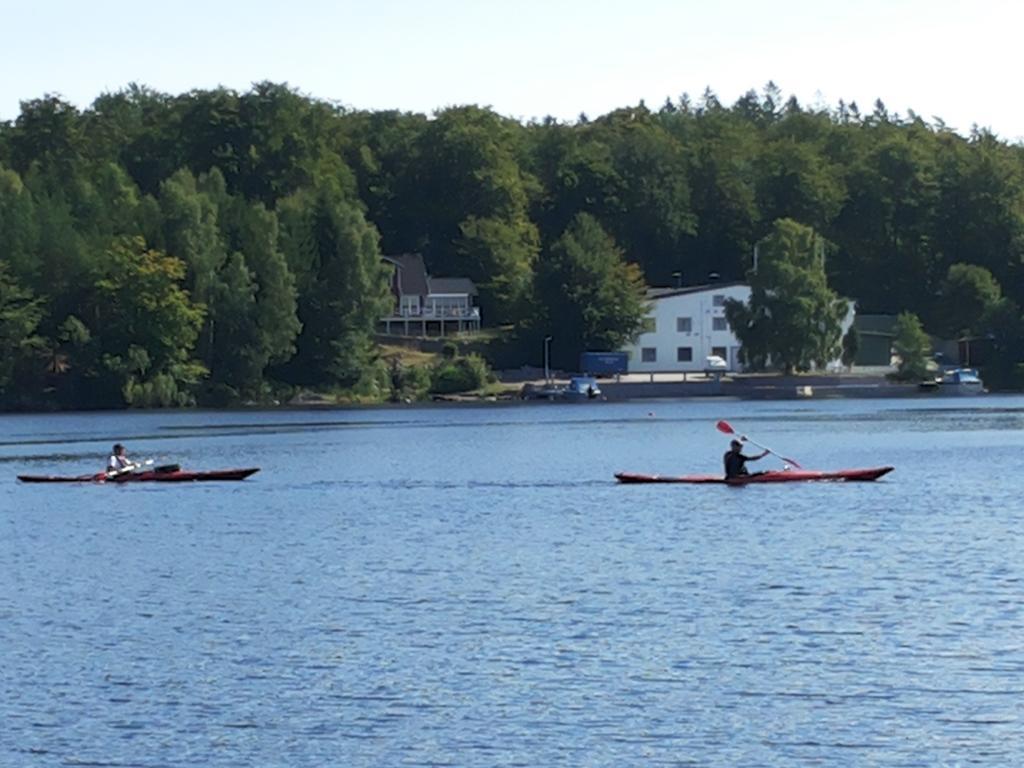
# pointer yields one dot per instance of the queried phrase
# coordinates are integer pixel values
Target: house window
(684, 325)
(684, 354)
(718, 300)
(721, 352)
(448, 306)
(719, 324)
(649, 325)
(410, 305)
(648, 355)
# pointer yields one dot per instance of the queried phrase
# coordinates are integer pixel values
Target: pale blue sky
(530, 58)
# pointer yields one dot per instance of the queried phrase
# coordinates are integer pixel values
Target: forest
(215, 247)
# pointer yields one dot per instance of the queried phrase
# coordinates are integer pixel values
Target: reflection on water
(469, 587)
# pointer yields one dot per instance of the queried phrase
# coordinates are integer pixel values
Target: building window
(684, 325)
(721, 352)
(719, 324)
(648, 355)
(684, 354)
(718, 300)
(649, 325)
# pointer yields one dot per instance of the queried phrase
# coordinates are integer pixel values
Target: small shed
(876, 334)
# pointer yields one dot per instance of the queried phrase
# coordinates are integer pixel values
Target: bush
(460, 375)
(162, 391)
(407, 382)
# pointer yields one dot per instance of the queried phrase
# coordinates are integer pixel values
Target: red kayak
(784, 476)
(147, 476)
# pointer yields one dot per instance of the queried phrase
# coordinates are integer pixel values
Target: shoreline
(749, 388)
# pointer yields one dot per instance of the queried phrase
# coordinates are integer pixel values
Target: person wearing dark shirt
(736, 462)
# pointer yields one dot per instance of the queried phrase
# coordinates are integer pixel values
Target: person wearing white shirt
(119, 461)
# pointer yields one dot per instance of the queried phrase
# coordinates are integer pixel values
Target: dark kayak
(147, 476)
(784, 476)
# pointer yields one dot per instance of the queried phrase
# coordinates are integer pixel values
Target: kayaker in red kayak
(119, 461)
(735, 461)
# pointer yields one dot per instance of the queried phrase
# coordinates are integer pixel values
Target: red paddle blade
(723, 426)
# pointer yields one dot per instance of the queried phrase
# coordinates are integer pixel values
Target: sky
(528, 59)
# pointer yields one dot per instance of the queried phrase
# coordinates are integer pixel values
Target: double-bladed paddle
(114, 474)
(726, 427)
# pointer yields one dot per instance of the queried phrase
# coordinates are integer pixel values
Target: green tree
(20, 314)
(333, 252)
(62, 264)
(722, 178)
(236, 350)
(18, 233)
(969, 292)
(793, 320)
(1003, 324)
(886, 225)
(139, 129)
(981, 207)
(913, 347)
(470, 196)
(149, 325)
(48, 133)
(253, 231)
(252, 314)
(590, 297)
(190, 231)
(648, 211)
(796, 179)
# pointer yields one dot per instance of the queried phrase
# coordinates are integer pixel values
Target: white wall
(701, 339)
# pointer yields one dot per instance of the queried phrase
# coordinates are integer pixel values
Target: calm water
(469, 587)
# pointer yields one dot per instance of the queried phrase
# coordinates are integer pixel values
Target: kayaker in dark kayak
(735, 461)
(119, 461)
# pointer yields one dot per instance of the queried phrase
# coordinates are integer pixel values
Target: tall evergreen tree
(334, 253)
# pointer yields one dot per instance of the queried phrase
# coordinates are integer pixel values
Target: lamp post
(547, 353)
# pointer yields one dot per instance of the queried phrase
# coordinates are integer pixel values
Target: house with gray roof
(425, 305)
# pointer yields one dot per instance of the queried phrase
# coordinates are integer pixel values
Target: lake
(470, 587)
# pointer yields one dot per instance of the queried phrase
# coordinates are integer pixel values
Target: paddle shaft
(726, 427)
(769, 450)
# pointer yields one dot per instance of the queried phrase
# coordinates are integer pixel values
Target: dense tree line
(214, 245)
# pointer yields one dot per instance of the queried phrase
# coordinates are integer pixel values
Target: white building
(687, 325)
(684, 326)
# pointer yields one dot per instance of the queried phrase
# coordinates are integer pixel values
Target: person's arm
(759, 456)
(125, 465)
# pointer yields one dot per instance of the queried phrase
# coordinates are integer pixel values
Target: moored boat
(147, 476)
(783, 476)
(957, 382)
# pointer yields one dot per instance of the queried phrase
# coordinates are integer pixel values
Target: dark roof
(662, 293)
(875, 324)
(412, 273)
(452, 285)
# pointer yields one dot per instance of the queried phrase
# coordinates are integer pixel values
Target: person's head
(735, 446)
(118, 449)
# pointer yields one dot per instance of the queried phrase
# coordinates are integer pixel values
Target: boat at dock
(957, 382)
